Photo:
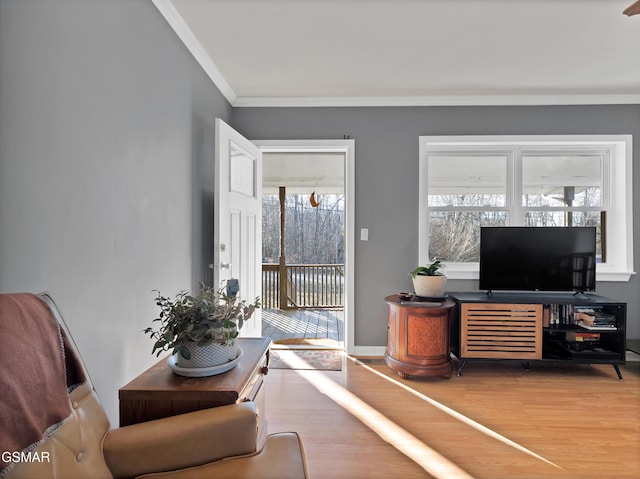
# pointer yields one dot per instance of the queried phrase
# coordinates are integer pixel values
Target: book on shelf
(581, 336)
(557, 314)
(583, 346)
(599, 327)
(595, 353)
(568, 314)
(596, 318)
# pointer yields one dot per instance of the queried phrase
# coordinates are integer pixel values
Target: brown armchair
(53, 426)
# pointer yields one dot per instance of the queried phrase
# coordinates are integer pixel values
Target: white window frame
(616, 177)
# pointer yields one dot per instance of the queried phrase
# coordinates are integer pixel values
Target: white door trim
(348, 147)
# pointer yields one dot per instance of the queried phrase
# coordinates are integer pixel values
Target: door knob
(225, 265)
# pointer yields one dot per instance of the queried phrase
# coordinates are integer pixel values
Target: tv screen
(538, 258)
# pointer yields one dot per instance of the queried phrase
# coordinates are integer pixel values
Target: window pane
(562, 180)
(568, 218)
(467, 180)
(455, 235)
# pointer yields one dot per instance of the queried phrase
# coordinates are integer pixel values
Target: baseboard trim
(369, 351)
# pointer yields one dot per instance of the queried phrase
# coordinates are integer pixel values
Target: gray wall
(106, 171)
(387, 181)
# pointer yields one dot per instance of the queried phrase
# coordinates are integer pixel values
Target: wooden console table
(159, 392)
(418, 337)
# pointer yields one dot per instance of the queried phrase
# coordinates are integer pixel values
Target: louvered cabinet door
(507, 331)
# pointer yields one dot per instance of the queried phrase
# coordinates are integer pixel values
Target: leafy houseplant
(432, 270)
(209, 317)
(429, 281)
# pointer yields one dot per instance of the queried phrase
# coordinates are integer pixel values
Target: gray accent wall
(387, 181)
(106, 171)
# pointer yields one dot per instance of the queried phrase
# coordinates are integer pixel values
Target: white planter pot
(208, 356)
(429, 286)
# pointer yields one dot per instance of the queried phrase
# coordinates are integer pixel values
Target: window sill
(614, 275)
(471, 271)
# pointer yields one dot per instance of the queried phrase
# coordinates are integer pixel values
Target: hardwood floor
(496, 421)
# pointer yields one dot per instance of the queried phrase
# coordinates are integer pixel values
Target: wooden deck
(303, 324)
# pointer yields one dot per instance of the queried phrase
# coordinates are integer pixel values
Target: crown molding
(454, 100)
(168, 10)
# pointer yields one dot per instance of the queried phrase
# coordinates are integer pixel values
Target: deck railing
(270, 286)
(307, 286)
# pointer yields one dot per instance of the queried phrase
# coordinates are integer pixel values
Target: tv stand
(536, 327)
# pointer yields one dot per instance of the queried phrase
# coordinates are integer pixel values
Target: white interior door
(238, 217)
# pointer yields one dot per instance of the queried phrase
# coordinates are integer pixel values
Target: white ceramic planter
(429, 286)
(208, 356)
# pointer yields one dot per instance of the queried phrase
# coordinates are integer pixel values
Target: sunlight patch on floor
(412, 447)
(460, 417)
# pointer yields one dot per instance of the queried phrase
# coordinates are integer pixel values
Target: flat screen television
(538, 258)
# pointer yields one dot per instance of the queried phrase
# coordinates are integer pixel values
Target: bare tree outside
(312, 234)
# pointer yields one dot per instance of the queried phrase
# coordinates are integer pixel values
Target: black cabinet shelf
(556, 349)
(567, 328)
(487, 321)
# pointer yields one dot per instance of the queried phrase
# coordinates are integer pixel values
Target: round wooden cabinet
(418, 337)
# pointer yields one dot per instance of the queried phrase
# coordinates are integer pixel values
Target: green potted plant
(200, 329)
(429, 281)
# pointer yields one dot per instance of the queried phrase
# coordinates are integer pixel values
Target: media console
(531, 326)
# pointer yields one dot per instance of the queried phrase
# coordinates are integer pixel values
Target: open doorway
(307, 242)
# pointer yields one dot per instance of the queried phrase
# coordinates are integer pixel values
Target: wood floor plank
(554, 421)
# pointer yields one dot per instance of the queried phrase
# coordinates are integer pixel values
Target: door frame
(348, 148)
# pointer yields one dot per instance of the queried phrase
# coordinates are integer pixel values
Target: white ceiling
(303, 173)
(413, 52)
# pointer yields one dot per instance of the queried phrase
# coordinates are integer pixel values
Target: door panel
(235, 252)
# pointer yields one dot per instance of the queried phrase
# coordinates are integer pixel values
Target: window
(470, 182)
